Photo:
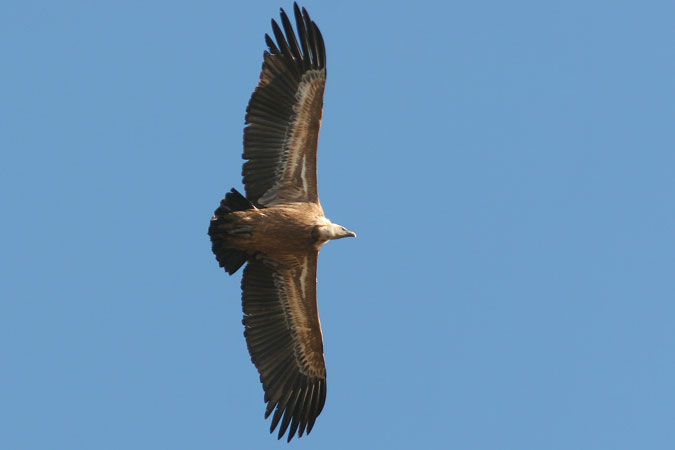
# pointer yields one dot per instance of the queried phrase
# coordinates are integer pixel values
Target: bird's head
(339, 232)
(329, 231)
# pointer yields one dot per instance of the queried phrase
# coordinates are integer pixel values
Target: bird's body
(278, 228)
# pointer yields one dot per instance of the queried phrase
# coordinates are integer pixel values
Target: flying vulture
(279, 227)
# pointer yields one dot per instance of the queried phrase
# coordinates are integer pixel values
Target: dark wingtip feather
(288, 414)
(322, 47)
(318, 402)
(281, 406)
(290, 37)
(269, 409)
(281, 39)
(302, 34)
(307, 51)
(307, 408)
(296, 413)
(270, 44)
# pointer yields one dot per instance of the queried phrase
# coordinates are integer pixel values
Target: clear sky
(509, 168)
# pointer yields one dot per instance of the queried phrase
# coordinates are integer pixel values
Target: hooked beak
(343, 233)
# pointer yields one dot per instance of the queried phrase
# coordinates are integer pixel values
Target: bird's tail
(229, 258)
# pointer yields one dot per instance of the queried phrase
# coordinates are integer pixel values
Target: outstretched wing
(283, 334)
(284, 116)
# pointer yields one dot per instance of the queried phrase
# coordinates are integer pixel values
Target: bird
(278, 227)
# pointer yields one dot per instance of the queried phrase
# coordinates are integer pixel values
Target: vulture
(279, 226)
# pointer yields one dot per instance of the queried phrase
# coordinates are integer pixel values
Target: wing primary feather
(275, 369)
(310, 37)
(322, 48)
(281, 406)
(281, 39)
(283, 83)
(270, 408)
(315, 44)
(298, 411)
(318, 403)
(279, 386)
(302, 34)
(290, 37)
(306, 411)
(270, 43)
(289, 409)
(276, 390)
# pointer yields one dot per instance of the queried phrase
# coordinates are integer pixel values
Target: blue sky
(509, 168)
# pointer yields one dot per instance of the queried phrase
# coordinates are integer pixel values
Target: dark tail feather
(229, 258)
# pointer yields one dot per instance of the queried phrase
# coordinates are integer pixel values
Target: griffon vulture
(279, 227)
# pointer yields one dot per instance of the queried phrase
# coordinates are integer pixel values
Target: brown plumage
(279, 227)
